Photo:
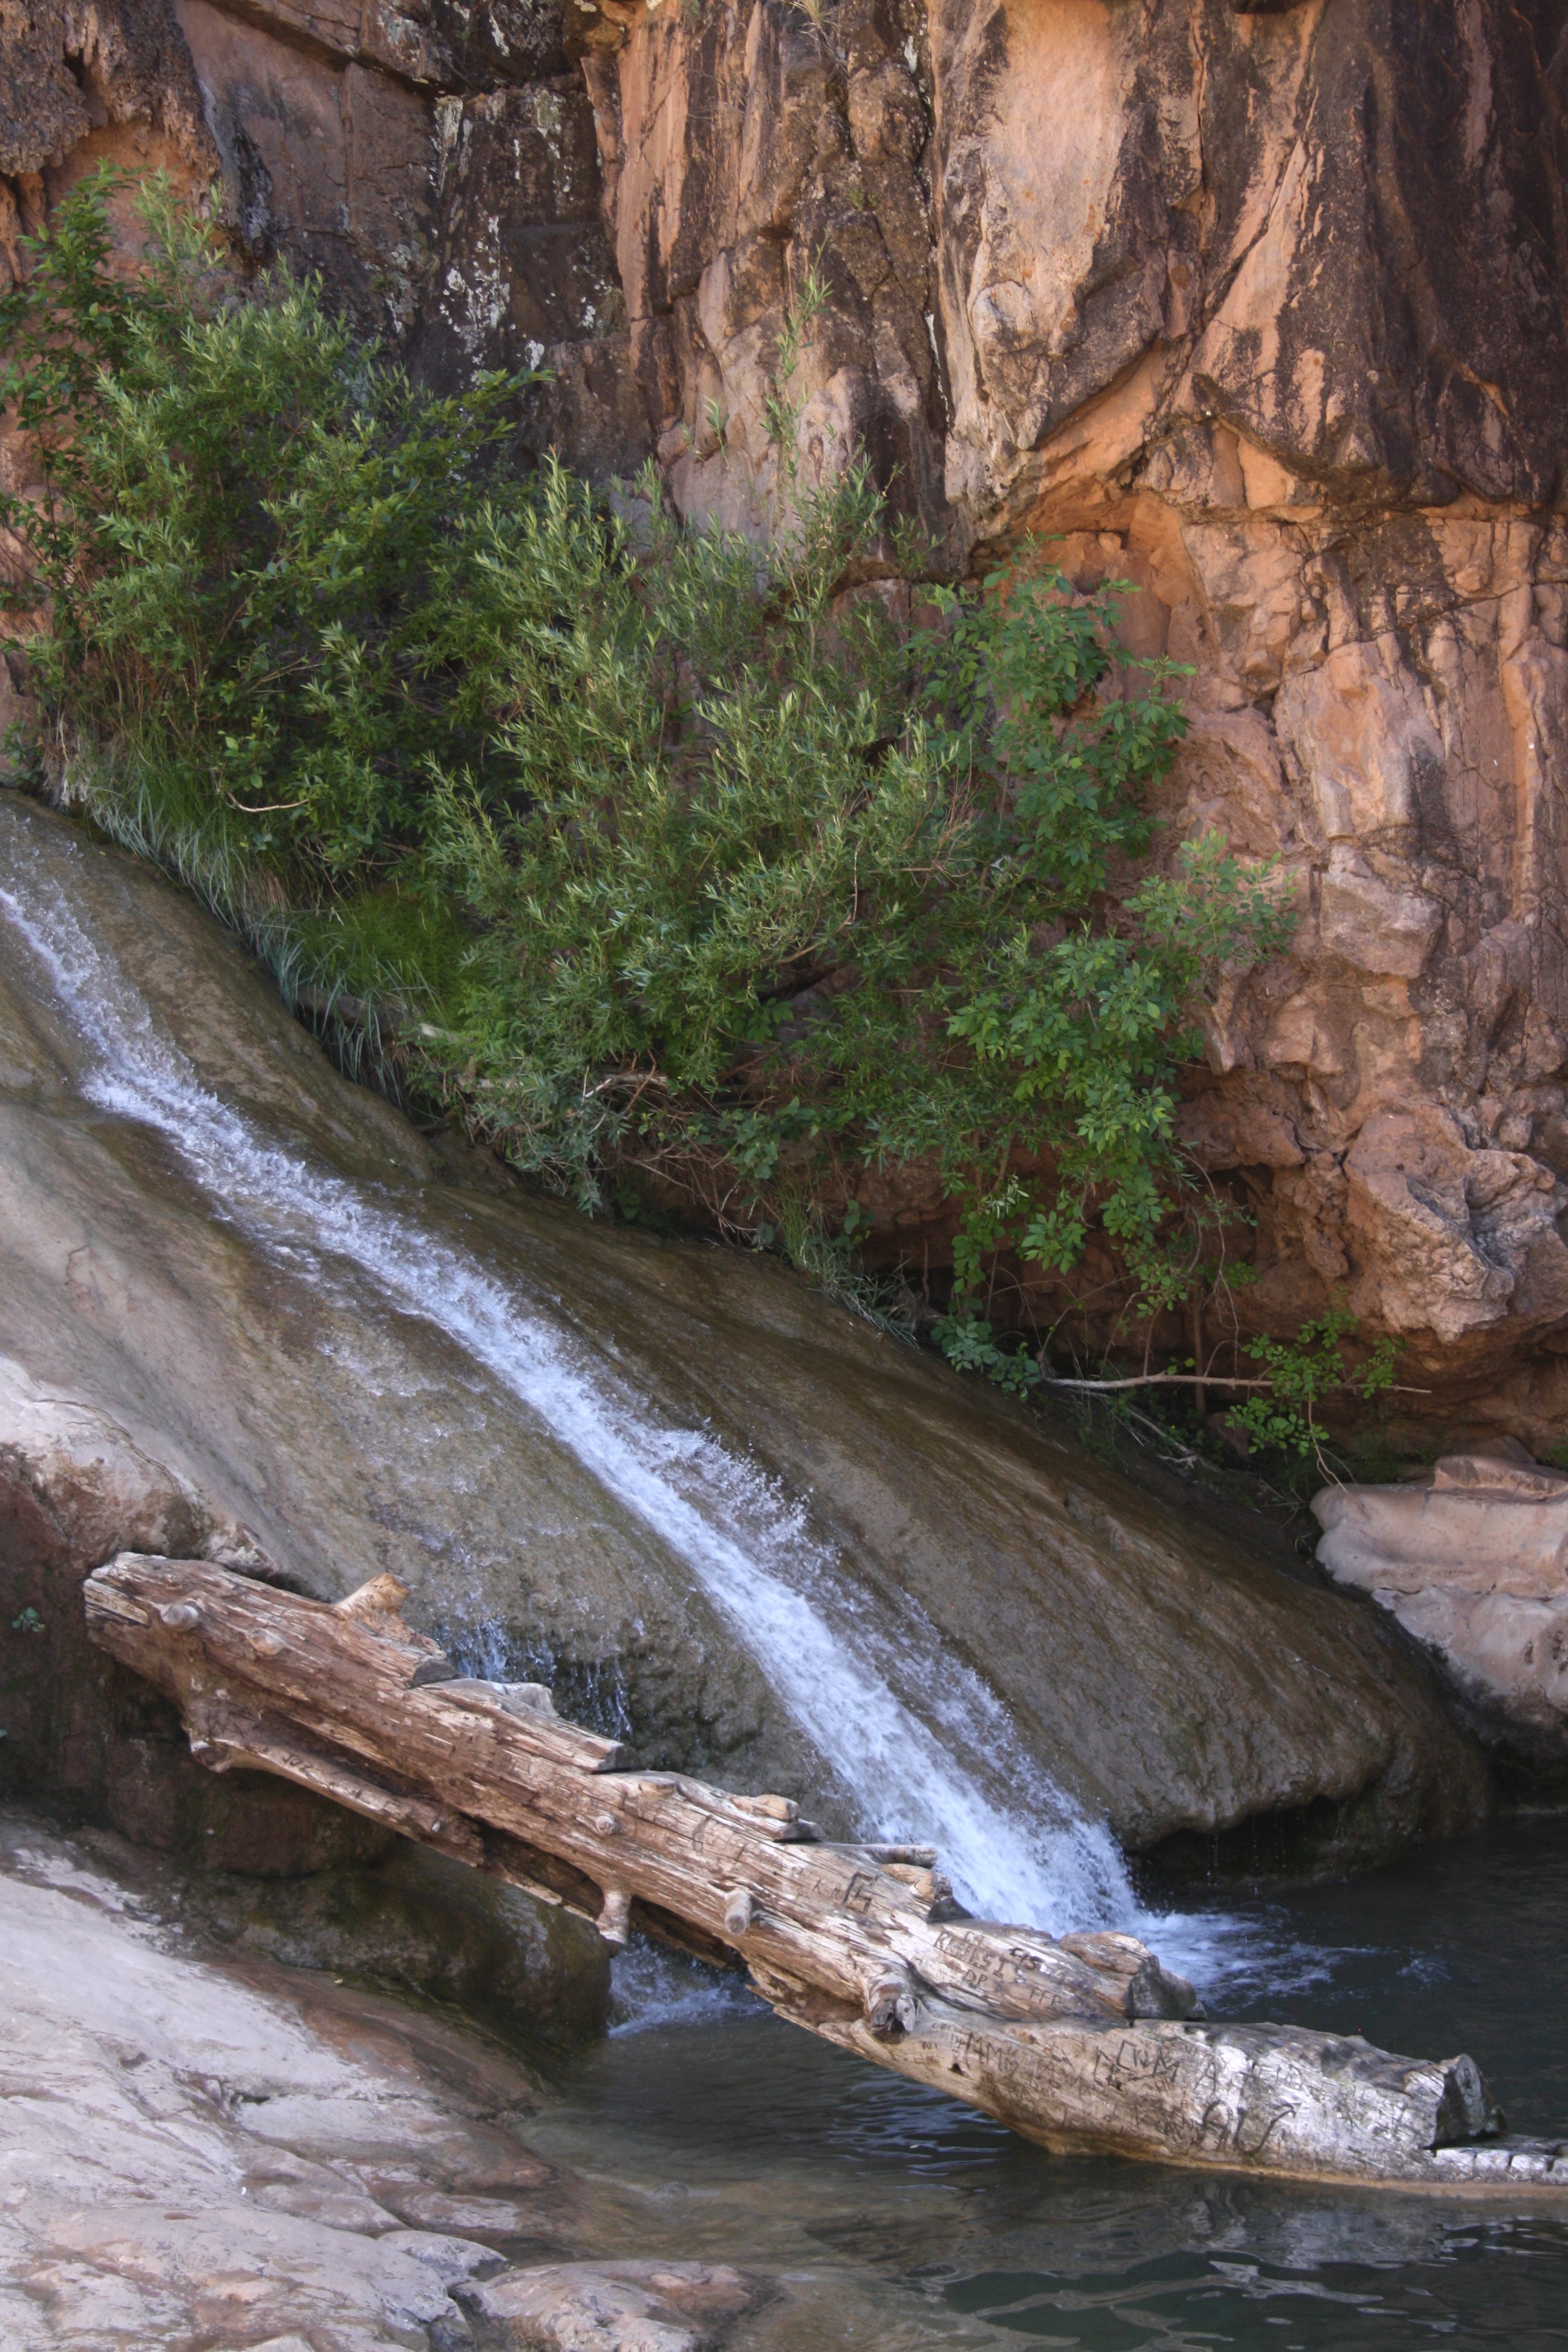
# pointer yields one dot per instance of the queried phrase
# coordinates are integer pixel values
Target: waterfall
(933, 1776)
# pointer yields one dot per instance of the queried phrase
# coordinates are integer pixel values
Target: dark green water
(909, 2220)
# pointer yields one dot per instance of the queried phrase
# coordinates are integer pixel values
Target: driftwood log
(1080, 2042)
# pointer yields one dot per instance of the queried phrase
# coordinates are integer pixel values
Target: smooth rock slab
(611, 2306)
(1165, 1678)
(1472, 1560)
(176, 2164)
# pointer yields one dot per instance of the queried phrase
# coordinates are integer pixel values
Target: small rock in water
(450, 2259)
(637, 2306)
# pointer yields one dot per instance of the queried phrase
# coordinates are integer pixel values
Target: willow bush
(663, 851)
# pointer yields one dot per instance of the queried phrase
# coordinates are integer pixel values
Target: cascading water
(747, 1545)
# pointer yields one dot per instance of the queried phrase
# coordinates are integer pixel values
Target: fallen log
(1080, 2043)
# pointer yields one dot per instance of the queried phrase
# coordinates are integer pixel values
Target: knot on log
(377, 1607)
(1466, 2110)
(929, 1888)
(768, 1808)
(892, 2005)
(528, 1698)
(738, 1912)
(384, 1596)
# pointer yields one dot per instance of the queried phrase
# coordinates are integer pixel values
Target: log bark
(1082, 2042)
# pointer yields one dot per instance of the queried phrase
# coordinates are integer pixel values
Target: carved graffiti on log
(1082, 2042)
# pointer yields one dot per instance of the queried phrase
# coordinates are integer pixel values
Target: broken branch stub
(1082, 2042)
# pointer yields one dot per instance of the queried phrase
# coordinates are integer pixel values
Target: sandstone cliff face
(1259, 309)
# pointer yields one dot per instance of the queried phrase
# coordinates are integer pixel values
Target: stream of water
(931, 2226)
(844, 1679)
(919, 2221)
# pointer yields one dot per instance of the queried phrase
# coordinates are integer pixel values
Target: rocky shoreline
(204, 2149)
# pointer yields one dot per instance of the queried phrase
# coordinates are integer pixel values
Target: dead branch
(1079, 2042)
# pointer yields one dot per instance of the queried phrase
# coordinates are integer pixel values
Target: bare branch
(1205, 1380)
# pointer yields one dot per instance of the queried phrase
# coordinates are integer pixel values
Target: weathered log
(1080, 2042)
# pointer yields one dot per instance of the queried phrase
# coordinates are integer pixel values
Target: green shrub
(667, 852)
(1301, 1373)
(244, 544)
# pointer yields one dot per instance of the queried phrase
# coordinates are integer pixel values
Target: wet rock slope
(248, 1317)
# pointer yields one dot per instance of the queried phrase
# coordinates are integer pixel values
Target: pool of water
(901, 2219)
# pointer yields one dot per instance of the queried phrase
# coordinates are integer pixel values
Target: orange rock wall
(1262, 309)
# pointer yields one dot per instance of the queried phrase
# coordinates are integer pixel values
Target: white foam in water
(652, 1988)
(834, 1668)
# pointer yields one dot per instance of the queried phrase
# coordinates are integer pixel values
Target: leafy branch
(678, 862)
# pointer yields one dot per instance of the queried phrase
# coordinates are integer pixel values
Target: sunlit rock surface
(196, 2155)
(1005, 1601)
(204, 2149)
(1472, 1558)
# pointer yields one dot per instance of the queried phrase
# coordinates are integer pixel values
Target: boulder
(633, 2307)
(193, 2153)
(1472, 1560)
